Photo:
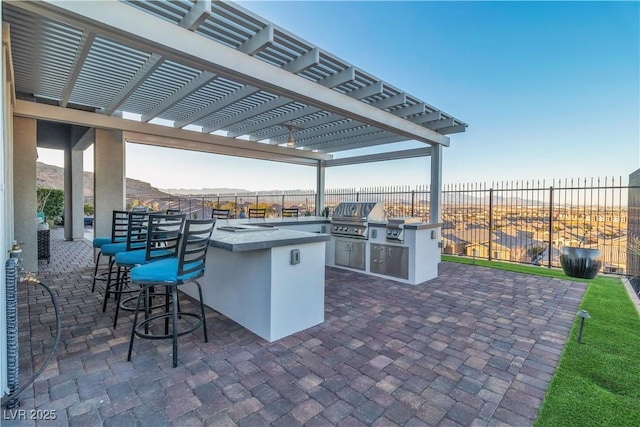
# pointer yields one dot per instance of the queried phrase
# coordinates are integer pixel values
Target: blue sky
(549, 90)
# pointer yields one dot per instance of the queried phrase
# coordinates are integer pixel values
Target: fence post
(490, 222)
(235, 204)
(550, 243)
(413, 202)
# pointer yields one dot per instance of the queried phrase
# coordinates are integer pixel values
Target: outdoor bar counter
(268, 274)
(268, 279)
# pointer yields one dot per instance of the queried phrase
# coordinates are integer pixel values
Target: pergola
(229, 82)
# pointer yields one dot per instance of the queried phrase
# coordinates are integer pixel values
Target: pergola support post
(435, 201)
(73, 194)
(320, 182)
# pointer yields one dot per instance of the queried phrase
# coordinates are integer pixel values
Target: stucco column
(109, 185)
(73, 194)
(24, 189)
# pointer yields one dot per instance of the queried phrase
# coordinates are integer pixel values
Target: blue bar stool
(137, 225)
(172, 273)
(162, 239)
(119, 223)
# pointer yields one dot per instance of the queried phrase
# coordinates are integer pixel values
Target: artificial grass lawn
(597, 383)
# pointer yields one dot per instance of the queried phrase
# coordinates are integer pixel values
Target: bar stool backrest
(290, 212)
(220, 213)
(257, 213)
(119, 226)
(163, 239)
(137, 230)
(193, 247)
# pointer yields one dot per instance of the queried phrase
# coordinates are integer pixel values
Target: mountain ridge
(50, 176)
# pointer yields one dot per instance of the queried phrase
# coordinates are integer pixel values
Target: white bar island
(269, 280)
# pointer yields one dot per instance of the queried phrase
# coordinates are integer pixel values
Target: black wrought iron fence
(518, 221)
(529, 221)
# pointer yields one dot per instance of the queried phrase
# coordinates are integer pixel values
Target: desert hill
(49, 176)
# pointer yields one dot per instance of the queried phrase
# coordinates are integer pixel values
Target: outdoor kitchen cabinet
(390, 260)
(350, 253)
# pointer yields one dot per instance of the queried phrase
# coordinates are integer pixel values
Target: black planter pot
(580, 262)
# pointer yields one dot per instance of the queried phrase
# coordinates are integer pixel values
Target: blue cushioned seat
(139, 257)
(165, 271)
(98, 242)
(113, 248)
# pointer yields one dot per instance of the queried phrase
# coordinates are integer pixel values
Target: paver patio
(475, 346)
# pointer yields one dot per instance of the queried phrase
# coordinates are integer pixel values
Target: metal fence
(529, 221)
(518, 221)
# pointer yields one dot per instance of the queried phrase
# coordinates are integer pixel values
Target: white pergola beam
(81, 56)
(426, 118)
(215, 143)
(229, 99)
(361, 143)
(440, 124)
(121, 22)
(337, 79)
(85, 140)
(152, 64)
(380, 157)
(246, 114)
(453, 129)
(358, 141)
(409, 110)
(195, 84)
(330, 137)
(303, 62)
(200, 11)
(298, 65)
(361, 93)
(391, 101)
(258, 42)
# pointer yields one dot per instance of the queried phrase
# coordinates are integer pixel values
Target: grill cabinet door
(390, 260)
(398, 261)
(356, 259)
(342, 252)
(378, 259)
(350, 253)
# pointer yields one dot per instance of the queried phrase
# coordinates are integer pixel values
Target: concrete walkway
(475, 346)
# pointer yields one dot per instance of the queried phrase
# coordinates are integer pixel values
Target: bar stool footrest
(150, 336)
(132, 307)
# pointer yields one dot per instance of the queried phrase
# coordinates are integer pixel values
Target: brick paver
(475, 346)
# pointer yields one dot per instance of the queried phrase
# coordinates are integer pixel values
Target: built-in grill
(351, 219)
(395, 227)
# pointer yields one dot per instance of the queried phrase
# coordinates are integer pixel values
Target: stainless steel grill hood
(351, 219)
(360, 211)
